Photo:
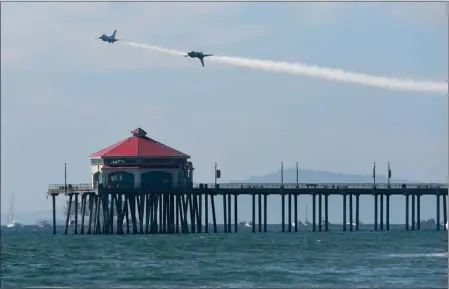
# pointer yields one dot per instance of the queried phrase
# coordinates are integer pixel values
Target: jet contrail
(311, 70)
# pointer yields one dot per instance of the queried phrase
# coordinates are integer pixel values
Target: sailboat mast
(11, 210)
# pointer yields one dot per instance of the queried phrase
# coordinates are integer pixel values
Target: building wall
(177, 174)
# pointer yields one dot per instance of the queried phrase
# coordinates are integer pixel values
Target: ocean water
(34, 258)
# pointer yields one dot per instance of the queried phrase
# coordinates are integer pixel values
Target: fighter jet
(110, 39)
(199, 55)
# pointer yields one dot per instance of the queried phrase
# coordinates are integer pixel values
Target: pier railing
(58, 188)
(324, 185)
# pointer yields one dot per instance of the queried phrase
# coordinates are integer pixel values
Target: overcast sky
(66, 95)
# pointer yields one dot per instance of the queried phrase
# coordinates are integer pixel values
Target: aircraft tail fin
(113, 34)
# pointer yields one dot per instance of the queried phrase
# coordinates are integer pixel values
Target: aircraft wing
(202, 61)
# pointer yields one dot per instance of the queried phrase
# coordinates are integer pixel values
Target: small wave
(420, 255)
(49, 287)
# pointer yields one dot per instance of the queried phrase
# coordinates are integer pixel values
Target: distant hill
(313, 176)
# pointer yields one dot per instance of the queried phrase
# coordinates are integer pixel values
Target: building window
(157, 179)
(96, 162)
(121, 179)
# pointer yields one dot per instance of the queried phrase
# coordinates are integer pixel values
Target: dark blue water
(398, 259)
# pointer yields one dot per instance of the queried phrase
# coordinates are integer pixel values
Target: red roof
(139, 145)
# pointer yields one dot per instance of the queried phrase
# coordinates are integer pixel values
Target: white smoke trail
(310, 70)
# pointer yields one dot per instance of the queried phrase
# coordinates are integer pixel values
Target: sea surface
(34, 258)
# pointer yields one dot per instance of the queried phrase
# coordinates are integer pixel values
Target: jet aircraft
(199, 55)
(110, 39)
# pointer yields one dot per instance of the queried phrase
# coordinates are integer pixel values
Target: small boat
(14, 224)
(354, 223)
(323, 223)
(247, 224)
(43, 224)
(428, 222)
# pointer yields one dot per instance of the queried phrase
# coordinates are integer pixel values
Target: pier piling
(375, 211)
(381, 212)
(407, 204)
(313, 212)
(350, 213)
(444, 209)
(413, 212)
(357, 216)
(326, 212)
(387, 211)
(344, 212)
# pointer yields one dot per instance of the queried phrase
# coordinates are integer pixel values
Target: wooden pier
(141, 210)
(140, 185)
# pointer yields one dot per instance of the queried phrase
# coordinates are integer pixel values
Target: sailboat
(306, 223)
(11, 222)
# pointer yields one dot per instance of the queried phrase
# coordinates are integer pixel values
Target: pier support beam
(381, 212)
(283, 211)
(375, 211)
(265, 213)
(289, 212)
(413, 212)
(260, 212)
(351, 221)
(418, 212)
(225, 219)
(320, 216)
(236, 222)
(214, 216)
(83, 212)
(387, 210)
(229, 213)
(296, 212)
(206, 212)
(69, 209)
(438, 213)
(76, 214)
(53, 199)
(344, 212)
(407, 201)
(326, 212)
(313, 212)
(445, 210)
(357, 212)
(253, 225)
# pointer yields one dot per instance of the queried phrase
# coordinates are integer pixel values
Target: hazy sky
(66, 95)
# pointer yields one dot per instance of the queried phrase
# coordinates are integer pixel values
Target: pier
(140, 186)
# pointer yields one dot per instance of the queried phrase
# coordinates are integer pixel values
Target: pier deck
(167, 210)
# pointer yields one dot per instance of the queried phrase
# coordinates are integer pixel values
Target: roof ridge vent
(138, 132)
